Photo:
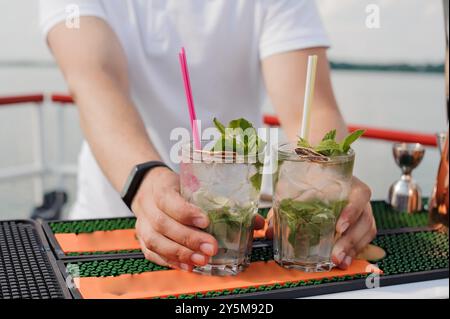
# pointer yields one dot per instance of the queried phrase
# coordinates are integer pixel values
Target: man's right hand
(167, 226)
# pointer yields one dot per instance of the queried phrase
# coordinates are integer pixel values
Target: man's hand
(355, 228)
(168, 227)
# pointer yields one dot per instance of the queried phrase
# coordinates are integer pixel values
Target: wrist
(135, 179)
(147, 187)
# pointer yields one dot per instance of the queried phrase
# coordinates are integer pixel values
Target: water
(412, 102)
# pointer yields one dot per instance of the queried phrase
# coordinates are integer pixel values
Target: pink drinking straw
(189, 98)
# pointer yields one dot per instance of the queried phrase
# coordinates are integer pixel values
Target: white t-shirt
(225, 41)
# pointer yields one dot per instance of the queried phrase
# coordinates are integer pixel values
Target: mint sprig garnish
(309, 220)
(328, 146)
(241, 137)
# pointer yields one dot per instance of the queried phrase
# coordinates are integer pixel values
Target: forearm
(95, 68)
(325, 117)
(112, 127)
(285, 76)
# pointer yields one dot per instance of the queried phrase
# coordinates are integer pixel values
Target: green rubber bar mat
(116, 267)
(413, 252)
(386, 218)
(101, 253)
(410, 257)
(91, 225)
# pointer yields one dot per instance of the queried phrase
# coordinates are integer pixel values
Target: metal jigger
(405, 195)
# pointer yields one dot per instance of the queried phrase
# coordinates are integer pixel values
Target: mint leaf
(230, 227)
(303, 143)
(240, 123)
(308, 221)
(239, 136)
(331, 135)
(242, 138)
(345, 144)
(328, 147)
(256, 179)
(220, 127)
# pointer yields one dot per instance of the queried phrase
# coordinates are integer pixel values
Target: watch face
(128, 182)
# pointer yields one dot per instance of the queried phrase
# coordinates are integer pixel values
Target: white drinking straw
(309, 94)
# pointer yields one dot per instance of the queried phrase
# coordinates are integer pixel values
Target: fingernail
(198, 259)
(200, 222)
(348, 261)
(184, 267)
(340, 257)
(207, 249)
(344, 227)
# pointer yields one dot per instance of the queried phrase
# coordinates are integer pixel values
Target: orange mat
(111, 240)
(120, 239)
(176, 282)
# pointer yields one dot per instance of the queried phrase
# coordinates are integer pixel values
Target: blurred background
(391, 76)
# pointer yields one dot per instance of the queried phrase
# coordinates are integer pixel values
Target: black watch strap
(135, 179)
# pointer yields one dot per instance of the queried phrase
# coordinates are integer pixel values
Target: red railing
(19, 99)
(271, 120)
(61, 98)
(377, 133)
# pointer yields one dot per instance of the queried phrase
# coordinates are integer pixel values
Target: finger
(269, 231)
(270, 214)
(259, 222)
(346, 245)
(157, 259)
(170, 250)
(151, 256)
(359, 197)
(369, 236)
(359, 246)
(190, 237)
(174, 205)
(366, 240)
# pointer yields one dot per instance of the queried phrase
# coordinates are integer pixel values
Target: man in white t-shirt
(120, 62)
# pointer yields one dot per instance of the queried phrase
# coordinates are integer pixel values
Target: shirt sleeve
(52, 12)
(291, 25)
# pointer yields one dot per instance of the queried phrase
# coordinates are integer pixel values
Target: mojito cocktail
(224, 191)
(224, 181)
(310, 191)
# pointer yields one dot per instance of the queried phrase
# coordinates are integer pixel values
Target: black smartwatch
(135, 179)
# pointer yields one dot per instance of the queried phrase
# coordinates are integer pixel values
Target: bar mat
(100, 237)
(176, 282)
(387, 218)
(27, 268)
(411, 257)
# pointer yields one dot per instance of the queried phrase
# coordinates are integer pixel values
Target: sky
(411, 31)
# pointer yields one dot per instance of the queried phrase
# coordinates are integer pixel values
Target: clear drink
(226, 187)
(309, 196)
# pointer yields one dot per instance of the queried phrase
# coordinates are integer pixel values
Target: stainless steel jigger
(405, 195)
